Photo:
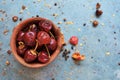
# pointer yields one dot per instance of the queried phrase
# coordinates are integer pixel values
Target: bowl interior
(23, 24)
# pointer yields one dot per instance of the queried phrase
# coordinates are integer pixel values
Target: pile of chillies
(36, 42)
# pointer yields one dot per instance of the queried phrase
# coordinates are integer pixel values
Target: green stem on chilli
(36, 45)
(47, 50)
(51, 34)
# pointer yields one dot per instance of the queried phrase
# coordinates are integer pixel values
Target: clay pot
(21, 25)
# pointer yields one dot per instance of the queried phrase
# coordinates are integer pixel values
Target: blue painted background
(102, 57)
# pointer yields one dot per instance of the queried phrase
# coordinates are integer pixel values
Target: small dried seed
(114, 32)
(69, 22)
(55, 14)
(59, 22)
(72, 47)
(53, 78)
(107, 53)
(9, 51)
(37, 15)
(69, 52)
(91, 57)
(119, 63)
(55, 4)
(64, 19)
(20, 19)
(23, 7)
(98, 40)
(7, 63)
(65, 50)
(84, 24)
(98, 5)
(61, 49)
(99, 13)
(95, 23)
(5, 31)
(63, 55)
(14, 18)
(65, 58)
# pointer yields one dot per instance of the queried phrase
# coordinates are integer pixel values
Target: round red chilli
(73, 40)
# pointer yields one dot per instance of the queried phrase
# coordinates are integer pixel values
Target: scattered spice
(53, 78)
(69, 22)
(9, 51)
(91, 57)
(81, 44)
(7, 63)
(102, 24)
(84, 24)
(107, 53)
(113, 15)
(98, 5)
(98, 40)
(20, 19)
(34, 2)
(55, 15)
(78, 29)
(98, 13)
(119, 63)
(55, 4)
(65, 54)
(47, 5)
(64, 19)
(37, 15)
(2, 11)
(1, 19)
(72, 47)
(68, 51)
(114, 32)
(59, 22)
(14, 18)
(5, 31)
(21, 11)
(95, 23)
(23, 7)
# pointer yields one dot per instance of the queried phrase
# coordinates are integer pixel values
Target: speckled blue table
(101, 45)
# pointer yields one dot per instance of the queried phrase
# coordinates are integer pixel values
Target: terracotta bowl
(19, 27)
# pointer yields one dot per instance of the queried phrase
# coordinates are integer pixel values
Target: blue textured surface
(102, 57)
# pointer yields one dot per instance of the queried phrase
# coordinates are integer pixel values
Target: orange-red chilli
(73, 40)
